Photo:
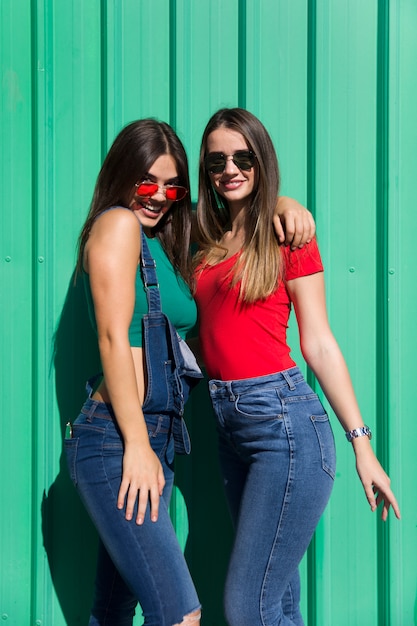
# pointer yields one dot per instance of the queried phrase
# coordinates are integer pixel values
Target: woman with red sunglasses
(276, 444)
(120, 454)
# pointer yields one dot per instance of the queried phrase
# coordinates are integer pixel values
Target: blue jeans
(277, 458)
(136, 563)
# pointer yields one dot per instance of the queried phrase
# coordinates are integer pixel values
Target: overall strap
(150, 279)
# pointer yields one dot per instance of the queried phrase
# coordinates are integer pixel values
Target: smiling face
(236, 186)
(150, 210)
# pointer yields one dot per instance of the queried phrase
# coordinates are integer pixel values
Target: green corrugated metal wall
(335, 83)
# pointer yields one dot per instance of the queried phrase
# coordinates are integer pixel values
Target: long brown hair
(259, 267)
(130, 157)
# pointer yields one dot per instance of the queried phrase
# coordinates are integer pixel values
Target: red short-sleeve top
(241, 340)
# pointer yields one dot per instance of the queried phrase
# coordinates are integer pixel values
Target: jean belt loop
(91, 411)
(230, 390)
(290, 383)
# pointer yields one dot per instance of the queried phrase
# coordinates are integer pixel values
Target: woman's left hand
(375, 481)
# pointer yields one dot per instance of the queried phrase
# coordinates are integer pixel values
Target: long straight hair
(259, 267)
(129, 159)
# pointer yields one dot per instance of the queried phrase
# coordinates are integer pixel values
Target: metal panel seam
(242, 36)
(311, 203)
(382, 362)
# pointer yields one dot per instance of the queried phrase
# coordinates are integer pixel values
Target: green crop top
(176, 299)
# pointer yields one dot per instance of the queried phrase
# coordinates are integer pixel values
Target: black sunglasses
(215, 162)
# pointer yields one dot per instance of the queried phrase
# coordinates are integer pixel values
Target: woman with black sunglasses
(120, 449)
(276, 445)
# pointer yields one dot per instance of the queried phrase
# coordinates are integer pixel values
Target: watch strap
(358, 432)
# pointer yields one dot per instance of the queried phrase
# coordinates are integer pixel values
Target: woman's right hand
(142, 480)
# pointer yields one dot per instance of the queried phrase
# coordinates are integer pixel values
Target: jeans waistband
(98, 409)
(94, 408)
(279, 379)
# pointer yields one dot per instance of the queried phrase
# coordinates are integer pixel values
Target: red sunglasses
(172, 192)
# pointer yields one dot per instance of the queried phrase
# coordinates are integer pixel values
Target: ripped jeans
(135, 563)
(144, 563)
(277, 458)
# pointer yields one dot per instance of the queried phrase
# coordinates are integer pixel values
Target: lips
(152, 209)
(147, 209)
(232, 184)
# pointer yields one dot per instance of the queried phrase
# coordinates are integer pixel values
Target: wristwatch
(358, 432)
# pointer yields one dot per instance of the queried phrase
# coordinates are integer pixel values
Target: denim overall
(143, 563)
(176, 372)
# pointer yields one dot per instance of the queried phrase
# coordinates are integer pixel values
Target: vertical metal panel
(333, 81)
(402, 306)
(16, 313)
(67, 151)
(345, 161)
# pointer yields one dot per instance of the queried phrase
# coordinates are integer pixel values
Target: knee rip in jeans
(192, 618)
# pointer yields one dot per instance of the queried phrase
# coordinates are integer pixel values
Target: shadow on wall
(210, 531)
(70, 539)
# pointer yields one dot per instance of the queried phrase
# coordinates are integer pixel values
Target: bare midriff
(102, 395)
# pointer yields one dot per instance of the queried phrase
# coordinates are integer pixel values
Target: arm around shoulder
(293, 223)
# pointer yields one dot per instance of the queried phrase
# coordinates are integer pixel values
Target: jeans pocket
(71, 447)
(323, 429)
(259, 404)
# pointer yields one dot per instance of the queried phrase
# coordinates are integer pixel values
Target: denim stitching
(286, 502)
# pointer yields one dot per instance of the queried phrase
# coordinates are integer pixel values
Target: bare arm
(293, 223)
(111, 258)
(324, 357)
